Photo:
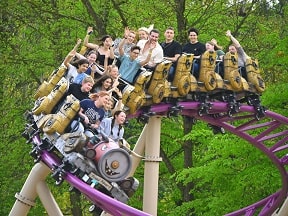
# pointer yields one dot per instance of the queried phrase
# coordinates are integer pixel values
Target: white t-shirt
(157, 54)
(71, 74)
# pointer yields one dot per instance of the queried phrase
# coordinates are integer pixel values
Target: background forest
(197, 175)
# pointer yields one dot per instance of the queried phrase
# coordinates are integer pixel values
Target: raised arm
(121, 47)
(86, 40)
(233, 39)
(79, 56)
(71, 54)
(111, 56)
(68, 58)
(77, 44)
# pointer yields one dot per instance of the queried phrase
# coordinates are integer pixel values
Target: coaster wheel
(184, 86)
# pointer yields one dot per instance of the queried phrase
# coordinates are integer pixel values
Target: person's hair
(88, 79)
(193, 30)
(147, 30)
(133, 32)
(143, 29)
(104, 38)
(170, 28)
(155, 31)
(92, 52)
(80, 62)
(101, 80)
(211, 43)
(135, 48)
(109, 69)
(95, 96)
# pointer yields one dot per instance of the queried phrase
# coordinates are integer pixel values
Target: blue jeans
(171, 73)
(195, 68)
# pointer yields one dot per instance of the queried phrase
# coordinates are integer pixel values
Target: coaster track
(272, 127)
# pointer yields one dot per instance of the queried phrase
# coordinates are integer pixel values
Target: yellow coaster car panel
(47, 103)
(46, 87)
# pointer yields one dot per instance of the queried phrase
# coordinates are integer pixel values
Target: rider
(113, 127)
(242, 56)
(172, 51)
(145, 46)
(130, 65)
(92, 110)
(196, 48)
(81, 91)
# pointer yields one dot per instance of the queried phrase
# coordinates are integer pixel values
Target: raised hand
(228, 33)
(79, 41)
(89, 30)
(126, 31)
(72, 53)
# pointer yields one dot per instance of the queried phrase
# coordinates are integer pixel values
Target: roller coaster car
(45, 104)
(159, 87)
(232, 78)
(134, 96)
(241, 86)
(46, 87)
(207, 79)
(253, 74)
(58, 122)
(183, 80)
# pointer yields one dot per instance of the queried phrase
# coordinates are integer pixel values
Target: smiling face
(114, 72)
(143, 35)
(120, 118)
(232, 49)
(209, 47)
(193, 37)
(154, 36)
(86, 87)
(104, 100)
(108, 42)
(107, 83)
(134, 53)
(92, 58)
(82, 68)
(109, 105)
(131, 37)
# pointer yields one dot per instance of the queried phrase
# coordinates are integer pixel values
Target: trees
(36, 36)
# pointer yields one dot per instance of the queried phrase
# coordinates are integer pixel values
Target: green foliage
(275, 98)
(226, 169)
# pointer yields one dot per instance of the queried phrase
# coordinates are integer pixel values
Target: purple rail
(269, 127)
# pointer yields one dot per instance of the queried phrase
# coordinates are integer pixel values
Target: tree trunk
(181, 21)
(188, 157)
